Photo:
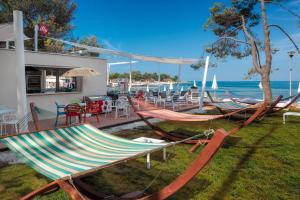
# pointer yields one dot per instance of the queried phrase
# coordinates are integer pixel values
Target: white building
(43, 80)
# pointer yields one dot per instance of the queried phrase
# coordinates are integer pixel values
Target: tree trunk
(265, 77)
(265, 81)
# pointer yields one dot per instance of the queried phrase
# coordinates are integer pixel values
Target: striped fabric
(228, 105)
(65, 151)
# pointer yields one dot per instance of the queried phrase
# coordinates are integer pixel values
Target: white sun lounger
(285, 115)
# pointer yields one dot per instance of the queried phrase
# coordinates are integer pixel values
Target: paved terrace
(107, 121)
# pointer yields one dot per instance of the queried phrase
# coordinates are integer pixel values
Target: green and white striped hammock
(63, 152)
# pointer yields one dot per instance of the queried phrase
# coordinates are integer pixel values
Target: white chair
(286, 114)
(162, 98)
(4, 112)
(122, 105)
(149, 98)
(106, 107)
(194, 98)
(10, 119)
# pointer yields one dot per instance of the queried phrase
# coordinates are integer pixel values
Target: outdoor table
(155, 141)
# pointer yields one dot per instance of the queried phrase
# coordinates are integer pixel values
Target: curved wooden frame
(275, 109)
(269, 109)
(293, 100)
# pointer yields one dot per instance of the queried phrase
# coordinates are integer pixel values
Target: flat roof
(58, 54)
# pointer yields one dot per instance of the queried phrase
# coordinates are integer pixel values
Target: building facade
(44, 80)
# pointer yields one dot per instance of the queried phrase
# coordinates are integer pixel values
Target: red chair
(140, 94)
(73, 110)
(94, 108)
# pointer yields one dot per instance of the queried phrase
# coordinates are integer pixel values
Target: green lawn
(262, 161)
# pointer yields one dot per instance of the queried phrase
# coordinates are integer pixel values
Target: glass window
(50, 80)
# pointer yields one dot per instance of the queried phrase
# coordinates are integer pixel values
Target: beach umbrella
(165, 88)
(81, 71)
(181, 89)
(147, 88)
(214, 85)
(195, 84)
(261, 87)
(298, 88)
(171, 86)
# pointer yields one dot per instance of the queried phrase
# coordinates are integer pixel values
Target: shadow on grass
(226, 186)
(133, 176)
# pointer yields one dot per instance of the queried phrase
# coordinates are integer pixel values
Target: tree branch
(234, 39)
(286, 9)
(253, 47)
(289, 37)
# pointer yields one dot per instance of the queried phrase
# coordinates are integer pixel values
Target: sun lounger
(286, 114)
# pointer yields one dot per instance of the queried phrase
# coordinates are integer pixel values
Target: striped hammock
(228, 105)
(64, 152)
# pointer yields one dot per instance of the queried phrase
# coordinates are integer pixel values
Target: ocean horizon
(239, 88)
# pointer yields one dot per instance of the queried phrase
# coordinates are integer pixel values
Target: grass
(262, 161)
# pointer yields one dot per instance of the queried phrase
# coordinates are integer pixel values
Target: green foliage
(89, 41)
(201, 64)
(138, 76)
(57, 14)
(225, 22)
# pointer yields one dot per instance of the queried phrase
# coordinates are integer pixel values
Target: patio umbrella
(171, 86)
(82, 71)
(214, 85)
(195, 84)
(298, 88)
(165, 88)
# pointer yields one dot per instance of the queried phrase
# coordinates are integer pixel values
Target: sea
(238, 88)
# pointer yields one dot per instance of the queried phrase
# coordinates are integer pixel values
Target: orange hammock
(183, 117)
(145, 110)
(148, 110)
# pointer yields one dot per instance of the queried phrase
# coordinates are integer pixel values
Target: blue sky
(174, 28)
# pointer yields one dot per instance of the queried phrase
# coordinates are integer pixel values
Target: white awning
(131, 56)
(7, 33)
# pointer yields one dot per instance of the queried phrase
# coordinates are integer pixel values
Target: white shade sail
(7, 33)
(147, 88)
(122, 63)
(298, 88)
(195, 84)
(181, 89)
(165, 88)
(214, 84)
(131, 56)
